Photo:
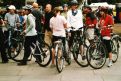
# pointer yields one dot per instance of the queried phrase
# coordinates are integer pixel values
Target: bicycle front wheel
(96, 55)
(79, 54)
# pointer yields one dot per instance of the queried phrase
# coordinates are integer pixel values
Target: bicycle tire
(78, 57)
(59, 58)
(115, 49)
(45, 51)
(96, 55)
(68, 56)
(18, 48)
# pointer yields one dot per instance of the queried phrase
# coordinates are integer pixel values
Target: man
(2, 46)
(12, 21)
(11, 18)
(75, 20)
(37, 14)
(30, 34)
(48, 32)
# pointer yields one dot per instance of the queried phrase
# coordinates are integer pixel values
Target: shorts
(108, 45)
(56, 38)
(90, 33)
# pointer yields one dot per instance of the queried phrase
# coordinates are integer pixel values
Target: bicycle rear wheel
(80, 56)
(45, 54)
(59, 58)
(96, 55)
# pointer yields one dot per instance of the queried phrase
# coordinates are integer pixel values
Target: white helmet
(12, 7)
(28, 7)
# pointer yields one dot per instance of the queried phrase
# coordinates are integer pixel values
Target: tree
(14, 2)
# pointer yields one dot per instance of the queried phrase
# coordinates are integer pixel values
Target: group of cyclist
(56, 22)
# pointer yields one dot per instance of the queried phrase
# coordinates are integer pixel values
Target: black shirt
(37, 14)
(48, 16)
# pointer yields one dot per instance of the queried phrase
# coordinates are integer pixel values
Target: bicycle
(79, 45)
(14, 42)
(97, 52)
(42, 52)
(115, 47)
(59, 55)
(67, 50)
(45, 51)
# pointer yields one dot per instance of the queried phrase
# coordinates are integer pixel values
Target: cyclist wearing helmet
(104, 23)
(65, 10)
(30, 34)
(74, 19)
(90, 23)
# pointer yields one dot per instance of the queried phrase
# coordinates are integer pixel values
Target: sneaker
(110, 64)
(68, 60)
(5, 61)
(22, 63)
(52, 65)
(83, 57)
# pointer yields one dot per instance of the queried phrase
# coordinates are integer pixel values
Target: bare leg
(53, 55)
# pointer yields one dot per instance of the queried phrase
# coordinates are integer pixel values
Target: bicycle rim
(45, 55)
(59, 60)
(96, 55)
(78, 55)
(115, 50)
(16, 52)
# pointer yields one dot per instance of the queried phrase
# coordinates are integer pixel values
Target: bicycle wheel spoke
(96, 55)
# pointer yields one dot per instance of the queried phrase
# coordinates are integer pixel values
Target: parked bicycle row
(87, 35)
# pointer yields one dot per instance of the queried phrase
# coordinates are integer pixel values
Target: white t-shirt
(57, 25)
(75, 21)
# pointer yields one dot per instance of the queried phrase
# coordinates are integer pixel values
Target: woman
(58, 24)
(30, 34)
(104, 23)
(90, 23)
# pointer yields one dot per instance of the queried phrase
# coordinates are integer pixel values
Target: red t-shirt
(89, 22)
(108, 20)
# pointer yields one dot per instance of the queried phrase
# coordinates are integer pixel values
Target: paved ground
(117, 28)
(32, 72)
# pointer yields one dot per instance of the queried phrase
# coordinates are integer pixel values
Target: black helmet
(73, 2)
(104, 9)
(88, 7)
